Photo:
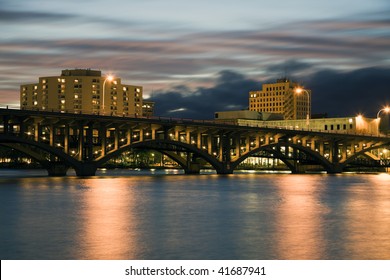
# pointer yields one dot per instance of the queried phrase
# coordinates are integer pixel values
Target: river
(133, 214)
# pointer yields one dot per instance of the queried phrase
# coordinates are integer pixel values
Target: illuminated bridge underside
(85, 142)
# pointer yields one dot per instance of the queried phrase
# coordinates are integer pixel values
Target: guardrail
(193, 121)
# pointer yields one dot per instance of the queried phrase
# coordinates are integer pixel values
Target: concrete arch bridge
(59, 141)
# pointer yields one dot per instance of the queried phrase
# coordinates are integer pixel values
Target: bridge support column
(37, 132)
(192, 168)
(89, 142)
(66, 139)
(81, 142)
(6, 124)
(225, 169)
(103, 139)
(86, 169)
(57, 169)
(336, 168)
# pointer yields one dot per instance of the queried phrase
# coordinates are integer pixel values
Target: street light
(299, 91)
(386, 110)
(109, 78)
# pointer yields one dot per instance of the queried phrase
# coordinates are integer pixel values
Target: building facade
(246, 114)
(148, 108)
(347, 125)
(283, 97)
(83, 91)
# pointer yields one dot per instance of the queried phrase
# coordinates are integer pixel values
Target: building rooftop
(81, 72)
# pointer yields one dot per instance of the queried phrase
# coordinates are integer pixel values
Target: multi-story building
(350, 125)
(283, 97)
(83, 91)
(148, 108)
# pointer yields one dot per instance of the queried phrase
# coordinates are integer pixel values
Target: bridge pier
(225, 169)
(335, 169)
(56, 169)
(192, 168)
(86, 169)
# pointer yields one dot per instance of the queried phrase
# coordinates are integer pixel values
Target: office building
(83, 91)
(283, 97)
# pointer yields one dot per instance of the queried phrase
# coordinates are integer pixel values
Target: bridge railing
(292, 128)
(132, 116)
(194, 121)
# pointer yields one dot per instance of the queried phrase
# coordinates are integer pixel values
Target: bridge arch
(362, 153)
(54, 168)
(166, 147)
(326, 164)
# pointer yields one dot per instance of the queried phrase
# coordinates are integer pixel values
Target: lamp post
(108, 78)
(386, 110)
(298, 91)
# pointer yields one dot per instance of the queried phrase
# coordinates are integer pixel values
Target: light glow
(298, 90)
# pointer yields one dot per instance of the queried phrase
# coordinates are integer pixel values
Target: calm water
(147, 215)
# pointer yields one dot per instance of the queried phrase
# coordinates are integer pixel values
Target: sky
(194, 58)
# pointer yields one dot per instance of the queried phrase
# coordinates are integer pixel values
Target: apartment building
(83, 91)
(282, 97)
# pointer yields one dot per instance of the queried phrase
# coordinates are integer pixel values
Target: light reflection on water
(151, 215)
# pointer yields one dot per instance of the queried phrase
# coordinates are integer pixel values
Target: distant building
(148, 108)
(83, 91)
(349, 125)
(283, 97)
(247, 114)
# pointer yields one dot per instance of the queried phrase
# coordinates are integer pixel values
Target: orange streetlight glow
(298, 91)
(386, 110)
(108, 78)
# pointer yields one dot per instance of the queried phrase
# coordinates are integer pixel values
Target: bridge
(59, 141)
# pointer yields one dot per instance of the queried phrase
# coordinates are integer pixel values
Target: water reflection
(367, 218)
(109, 224)
(299, 218)
(240, 216)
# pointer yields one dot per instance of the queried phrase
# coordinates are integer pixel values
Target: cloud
(336, 93)
(230, 91)
(288, 67)
(160, 58)
(8, 16)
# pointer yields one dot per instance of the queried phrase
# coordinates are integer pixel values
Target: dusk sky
(197, 57)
